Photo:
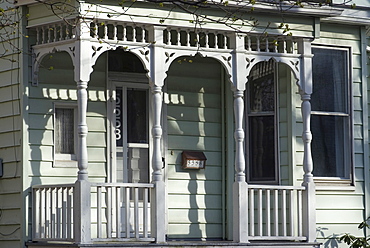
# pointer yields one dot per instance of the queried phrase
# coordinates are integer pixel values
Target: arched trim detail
(291, 62)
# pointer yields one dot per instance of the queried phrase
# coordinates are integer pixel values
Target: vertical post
(157, 75)
(158, 209)
(240, 187)
(309, 195)
(81, 192)
(81, 201)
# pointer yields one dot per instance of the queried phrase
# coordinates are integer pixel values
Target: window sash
(330, 115)
(262, 145)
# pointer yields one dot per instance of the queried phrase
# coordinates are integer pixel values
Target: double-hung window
(331, 112)
(261, 124)
(65, 135)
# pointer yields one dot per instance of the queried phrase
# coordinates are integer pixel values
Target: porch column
(309, 195)
(81, 197)
(240, 187)
(157, 76)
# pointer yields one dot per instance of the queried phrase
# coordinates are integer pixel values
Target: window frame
(349, 141)
(65, 160)
(275, 114)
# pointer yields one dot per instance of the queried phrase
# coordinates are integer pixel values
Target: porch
(88, 214)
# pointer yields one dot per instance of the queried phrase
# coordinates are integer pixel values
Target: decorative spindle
(105, 31)
(124, 37)
(239, 136)
(82, 130)
(115, 31)
(157, 132)
(134, 34)
(187, 38)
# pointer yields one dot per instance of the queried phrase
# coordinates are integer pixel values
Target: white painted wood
(239, 136)
(51, 210)
(268, 213)
(283, 207)
(309, 199)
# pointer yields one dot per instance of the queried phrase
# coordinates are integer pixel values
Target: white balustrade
(121, 211)
(270, 44)
(53, 32)
(53, 212)
(118, 31)
(275, 212)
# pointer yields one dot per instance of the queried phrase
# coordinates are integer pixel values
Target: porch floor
(170, 244)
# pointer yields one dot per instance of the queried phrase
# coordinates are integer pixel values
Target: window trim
(349, 166)
(65, 160)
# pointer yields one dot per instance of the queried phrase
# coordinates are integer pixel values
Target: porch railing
(275, 212)
(52, 212)
(119, 211)
(122, 211)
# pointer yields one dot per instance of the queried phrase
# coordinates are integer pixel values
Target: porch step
(178, 244)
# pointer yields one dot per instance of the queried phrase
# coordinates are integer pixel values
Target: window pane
(329, 74)
(64, 131)
(262, 148)
(137, 116)
(329, 134)
(262, 94)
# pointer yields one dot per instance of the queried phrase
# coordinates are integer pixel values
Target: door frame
(125, 80)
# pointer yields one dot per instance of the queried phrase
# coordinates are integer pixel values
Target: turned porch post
(309, 195)
(157, 76)
(81, 201)
(240, 187)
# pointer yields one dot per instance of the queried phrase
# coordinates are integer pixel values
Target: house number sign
(193, 160)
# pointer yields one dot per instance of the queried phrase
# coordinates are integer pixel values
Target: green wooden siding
(194, 122)
(11, 126)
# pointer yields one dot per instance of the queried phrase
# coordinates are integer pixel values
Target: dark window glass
(328, 140)
(137, 116)
(262, 148)
(262, 95)
(329, 80)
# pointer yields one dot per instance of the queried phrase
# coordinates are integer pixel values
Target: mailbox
(193, 160)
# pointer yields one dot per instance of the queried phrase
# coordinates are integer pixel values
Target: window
(330, 116)
(65, 135)
(261, 124)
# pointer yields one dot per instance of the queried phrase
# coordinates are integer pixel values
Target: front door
(131, 133)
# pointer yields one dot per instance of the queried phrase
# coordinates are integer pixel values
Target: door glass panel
(137, 116)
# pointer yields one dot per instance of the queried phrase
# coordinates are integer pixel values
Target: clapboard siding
(194, 121)
(11, 134)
